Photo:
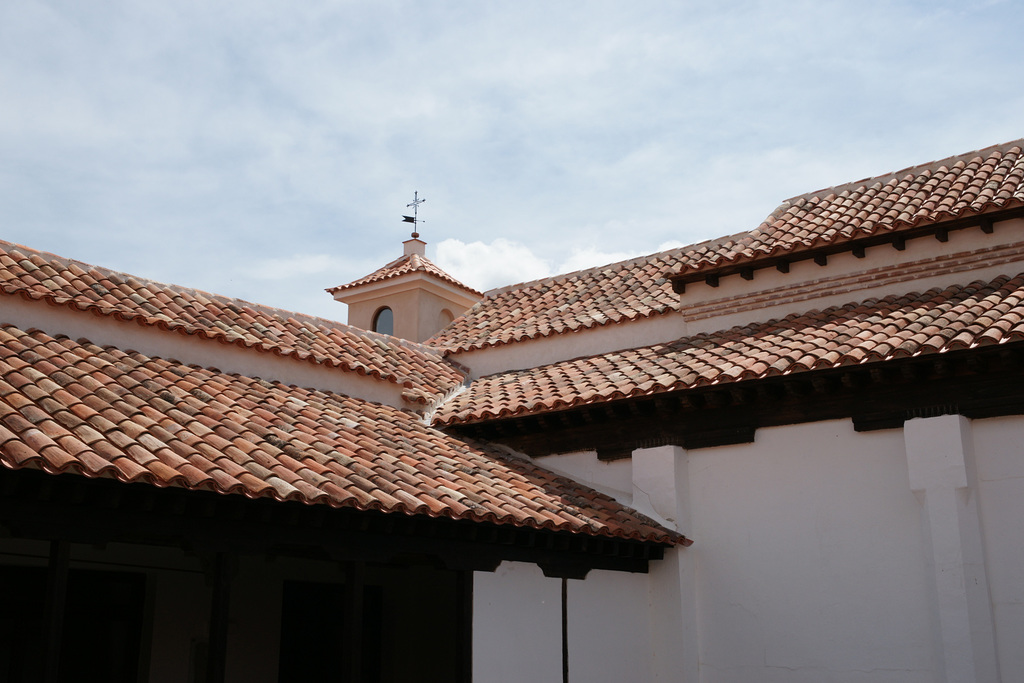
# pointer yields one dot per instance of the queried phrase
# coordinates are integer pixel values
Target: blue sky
(266, 150)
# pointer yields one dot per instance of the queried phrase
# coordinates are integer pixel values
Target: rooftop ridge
(949, 189)
(224, 298)
(646, 286)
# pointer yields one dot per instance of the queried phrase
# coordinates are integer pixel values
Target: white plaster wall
(517, 625)
(810, 564)
(532, 353)
(674, 642)
(517, 632)
(999, 462)
(633, 627)
(609, 628)
(613, 478)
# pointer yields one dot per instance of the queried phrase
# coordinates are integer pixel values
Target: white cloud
(190, 140)
(486, 266)
(588, 257)
(503, 262)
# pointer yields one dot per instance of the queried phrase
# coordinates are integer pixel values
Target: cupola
(409, 298)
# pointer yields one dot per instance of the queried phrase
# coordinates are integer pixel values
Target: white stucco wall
(612, 478)
(999, 458)
(517, 625)
(810, 563)
(819, 555)
(609, 638)
(621, 626)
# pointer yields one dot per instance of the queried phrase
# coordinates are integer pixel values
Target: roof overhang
(98, 511)
(979, 382)
(897, 237)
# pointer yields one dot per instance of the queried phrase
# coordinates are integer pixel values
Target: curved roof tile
(410, 263)
(969, 184)
(68, 406)
(629, 290)
(37, 275)
(876, 330)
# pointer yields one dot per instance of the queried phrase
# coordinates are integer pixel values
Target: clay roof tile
(934, 321)
(635, 289)
(62, 282)
(287, 443)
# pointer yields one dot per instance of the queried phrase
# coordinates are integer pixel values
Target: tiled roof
(952, 188)
(936, 321)
(628, 290)
(62, 282)
(410, 263)
(69, 406)
(981, 181)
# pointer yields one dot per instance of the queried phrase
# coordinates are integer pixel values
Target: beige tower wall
(421, 305)
(418, 313)
(422, 298)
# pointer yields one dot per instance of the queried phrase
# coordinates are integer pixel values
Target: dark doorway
(314, 642)
(414, 625)
(102, 631)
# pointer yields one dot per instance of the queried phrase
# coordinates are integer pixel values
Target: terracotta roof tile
(170, 425)
(934, 321)
(967, 184)
(404, 265)
(628, 290)
(951, 188)
(39, 276)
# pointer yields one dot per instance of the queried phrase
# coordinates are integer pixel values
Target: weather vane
(415, 217)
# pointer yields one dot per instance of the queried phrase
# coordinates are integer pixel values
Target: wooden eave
(896, 236)
(73, 508)
(977, 383)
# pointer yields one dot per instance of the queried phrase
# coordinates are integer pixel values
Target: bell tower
(410, 297)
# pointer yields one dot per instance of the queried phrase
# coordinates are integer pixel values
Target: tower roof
(413, 261)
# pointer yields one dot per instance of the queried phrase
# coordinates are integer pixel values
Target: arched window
(384, 321)
(444, 319)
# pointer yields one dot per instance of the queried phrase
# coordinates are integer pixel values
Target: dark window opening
(384, 321)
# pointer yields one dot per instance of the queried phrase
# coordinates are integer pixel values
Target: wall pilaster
(941, 468)
(661, 486)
